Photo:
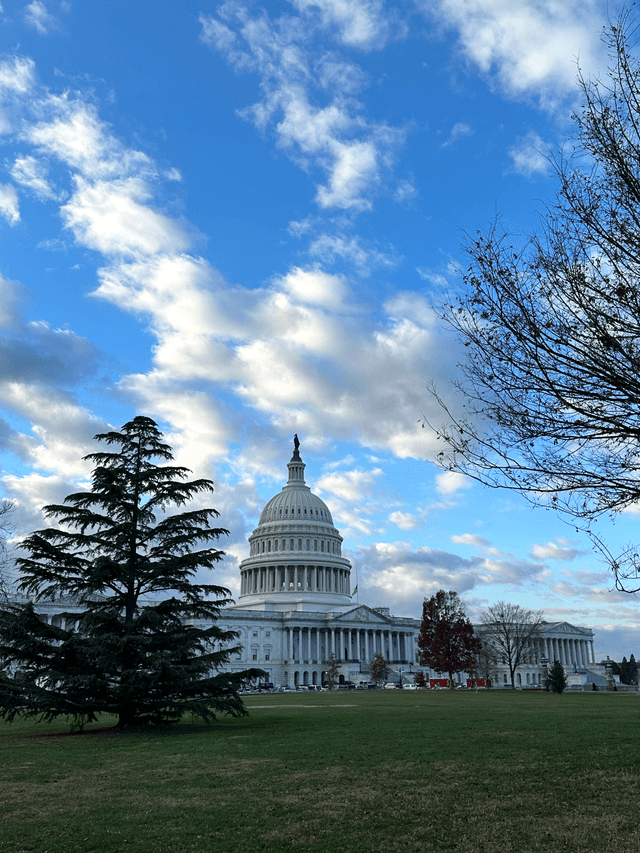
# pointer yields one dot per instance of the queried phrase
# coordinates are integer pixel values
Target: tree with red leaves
(447, 642)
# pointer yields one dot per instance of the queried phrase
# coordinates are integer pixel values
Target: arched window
(275, 544)
(308, 543)
(315, 544)
(291, 545)
(263, 547)
(299, 544)
(322, 544)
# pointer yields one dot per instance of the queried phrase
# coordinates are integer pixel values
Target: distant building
(572, 646)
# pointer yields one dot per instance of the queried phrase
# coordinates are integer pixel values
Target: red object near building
(438, 682)
(479, 682)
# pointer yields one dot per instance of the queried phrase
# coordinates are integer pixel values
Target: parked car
(390, 685)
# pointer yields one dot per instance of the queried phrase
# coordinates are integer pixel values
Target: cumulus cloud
(530, 48)
(114, 218)
(348, 485)
(399, 576)
(450, 482)
(530, 156)
(471, 539)
(404, 520)
(558, 550)
(315, 287)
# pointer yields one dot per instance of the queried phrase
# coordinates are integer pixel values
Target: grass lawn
(377, 771)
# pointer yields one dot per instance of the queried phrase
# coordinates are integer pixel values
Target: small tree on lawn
(557, 678)
(379, 669)
(420, 680)
(446, 641)
(144, 645)
(332, 672)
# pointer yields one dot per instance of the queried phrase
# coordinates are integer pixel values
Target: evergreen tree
(446, 640)
(557, 678)
(143, 643)
(624, 671)
(632, 670)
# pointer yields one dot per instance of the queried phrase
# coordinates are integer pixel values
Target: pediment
(554, 628)
(362, 613)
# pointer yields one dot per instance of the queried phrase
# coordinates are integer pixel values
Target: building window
(308, 543)
(255, 633)
(267, 656)
(322, 545)
(275, 544)
(315, 544)
(267, 633)
(299, 544)
(269, 545)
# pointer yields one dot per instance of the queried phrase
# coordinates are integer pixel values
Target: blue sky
(235, 218)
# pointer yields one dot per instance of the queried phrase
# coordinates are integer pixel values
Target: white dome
(296, 552)
(296, 503)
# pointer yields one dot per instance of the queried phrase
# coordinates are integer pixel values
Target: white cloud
(113, 217)
(397, 575)
(471, 539)
(530, 156)
(315, 287)
(349, 485)
(17, 75)
(9, 207)
(450, 482)
(37, 16)
(73, 133)
(458, 130)
(364, 24)
(365, 258)
(404, 520)
(529, 48)
(333, 137)
(32, 173)
(554, 551)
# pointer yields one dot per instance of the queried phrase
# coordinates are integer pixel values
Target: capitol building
(296, 610)
(295, 607)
